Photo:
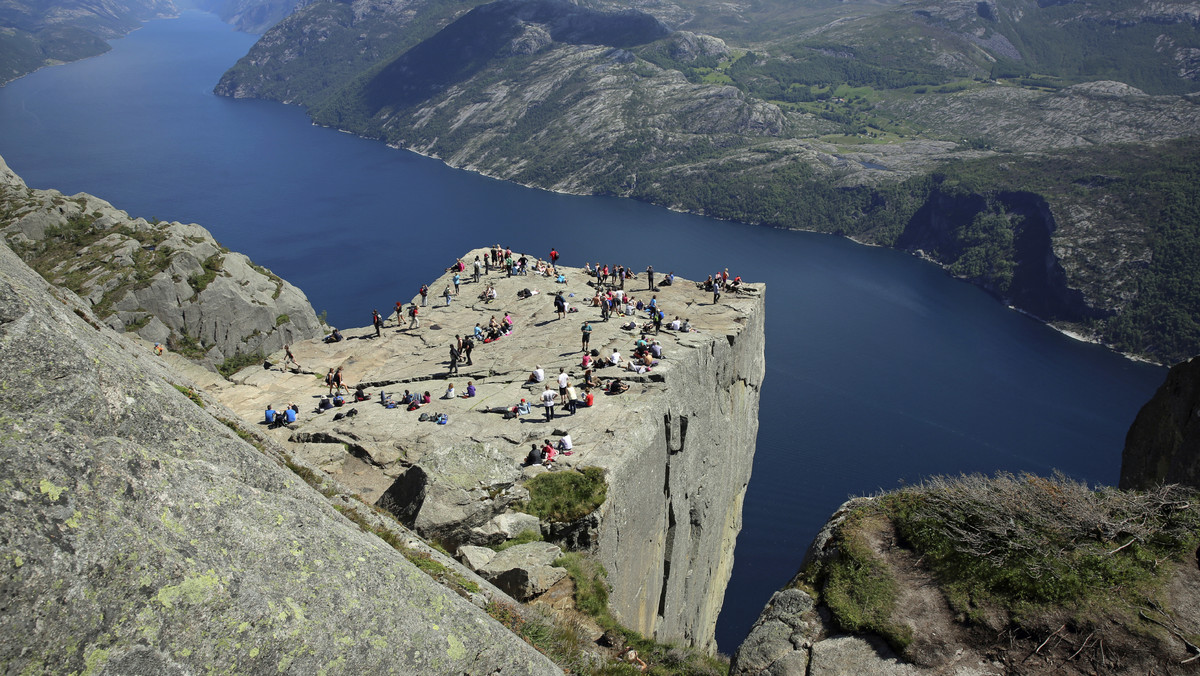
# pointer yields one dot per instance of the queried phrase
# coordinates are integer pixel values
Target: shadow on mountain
(466, 46)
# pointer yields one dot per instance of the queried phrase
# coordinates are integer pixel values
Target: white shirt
(615, 358)
(674, 325)
(565, 442)
(563, 380)
(539, 375)
(548, 397)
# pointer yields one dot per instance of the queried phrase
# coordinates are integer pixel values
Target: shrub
(239, 361)
(566, 496)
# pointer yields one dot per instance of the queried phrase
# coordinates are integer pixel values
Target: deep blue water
(880, 367)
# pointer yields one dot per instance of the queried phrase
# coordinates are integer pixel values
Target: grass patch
(239, 361)
(208, 272)
(1027, 543)
(282, 319)
(524, 537)
(858, 586)
(190, 394)
(591, 598)
(565, 496)
(559, 639)
(187, 346)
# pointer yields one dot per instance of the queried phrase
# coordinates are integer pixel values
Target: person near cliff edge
(424, 291)
(377, 321)
(548, 396)
(414, 320)
(650, 277)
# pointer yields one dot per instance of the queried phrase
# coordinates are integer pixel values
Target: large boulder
(524, 571)
(140, 534)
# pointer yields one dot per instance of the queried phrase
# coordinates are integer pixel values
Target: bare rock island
(676, 448)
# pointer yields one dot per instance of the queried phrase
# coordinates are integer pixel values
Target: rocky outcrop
(167, 282)
(522, 571)
(1163, 445)
(676, 448)
(142, 535)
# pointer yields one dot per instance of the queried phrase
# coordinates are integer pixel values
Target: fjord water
(881, 369)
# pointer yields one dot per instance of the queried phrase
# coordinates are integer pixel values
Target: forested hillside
(1044, 152)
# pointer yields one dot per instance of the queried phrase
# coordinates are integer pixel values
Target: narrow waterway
(881, 369)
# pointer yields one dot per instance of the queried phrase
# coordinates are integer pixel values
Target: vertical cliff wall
(677, 447)
(676, 485)
(1163, 444)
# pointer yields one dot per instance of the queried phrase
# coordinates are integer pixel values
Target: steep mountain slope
(143, 535)
(810, 116)
(36, 33)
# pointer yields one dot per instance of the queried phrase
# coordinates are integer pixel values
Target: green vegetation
(187, 346)
(426, 563)
(239, 361)
(1021, 543)
(567, 495)
(282, 319)
(190, 394)
(591, 598)
(211, 266)
(1012, 550)
(557, 638)
(857, 585)
(524, 537)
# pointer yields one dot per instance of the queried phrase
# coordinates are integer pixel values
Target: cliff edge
(1003, 575)
(1163, 444)
(676, 448)
(143, 534)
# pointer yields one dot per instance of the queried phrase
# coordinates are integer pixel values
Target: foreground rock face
(677, 447)
(1163, 445)
(168, 282)
(141, 535)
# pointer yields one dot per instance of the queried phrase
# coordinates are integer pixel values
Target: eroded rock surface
(142, 535)
(677, 447)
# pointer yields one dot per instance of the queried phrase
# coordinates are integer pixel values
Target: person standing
(414, 320)
(716, 290)
(650, 277)
(586, 330)
(377, 320)
(553, 256)
(329, 381)
(478, 269)
(563, 382)
(560, 306)
(548, 396)
(446, 294)
(424, 295)
(468, 345)
(454, 355)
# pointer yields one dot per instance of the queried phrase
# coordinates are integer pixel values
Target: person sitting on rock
(565, 445)
(538, 375)
(614, 359)
(270, 414)
(470, 391)
(360, 393)
(290, 413)
(450, 393)
(548, 453)
(534, 457)
(617, 387)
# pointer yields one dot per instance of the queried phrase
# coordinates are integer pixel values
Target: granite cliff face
(167, 282)
(142, 535)
(676, 449)
(1163, 445)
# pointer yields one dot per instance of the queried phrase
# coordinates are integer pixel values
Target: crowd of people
(613, 295)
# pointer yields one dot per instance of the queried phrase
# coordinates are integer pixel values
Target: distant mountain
(251, 16)
(36, 33)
